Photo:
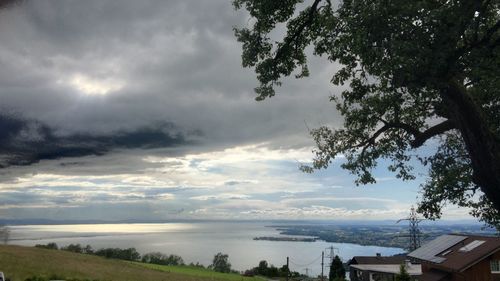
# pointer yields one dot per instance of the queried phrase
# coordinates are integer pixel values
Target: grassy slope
(19, 263)
(199, 272)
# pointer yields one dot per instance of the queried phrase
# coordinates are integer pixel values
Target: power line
(304, 265)
(287, 268)
(331, 256)
(414, 231)
(322, 265)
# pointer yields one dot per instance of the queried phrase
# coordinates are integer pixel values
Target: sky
(141, 110)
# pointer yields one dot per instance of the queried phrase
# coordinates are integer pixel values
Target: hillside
(19, 263)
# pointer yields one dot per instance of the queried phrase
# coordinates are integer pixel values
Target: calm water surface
(197, 242)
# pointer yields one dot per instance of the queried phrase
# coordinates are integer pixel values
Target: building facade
(380, 268)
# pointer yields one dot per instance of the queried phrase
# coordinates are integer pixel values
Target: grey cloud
(92, 211)
(339, 202)
(152, 192)
(237, 182)
(5, 4)
(178, 61)
(24, 142)
(16, 197)
(175, 61)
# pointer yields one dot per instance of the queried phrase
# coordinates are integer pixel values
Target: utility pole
(307, 271)
(322, 264)
(287, 268)
(414, 231)
(331, 255)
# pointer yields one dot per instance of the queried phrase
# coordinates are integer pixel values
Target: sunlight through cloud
(91, 86)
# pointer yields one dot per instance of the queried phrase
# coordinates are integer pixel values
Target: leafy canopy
(404, 62)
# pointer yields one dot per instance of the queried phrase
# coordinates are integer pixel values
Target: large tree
(423, 83)
(221, 263)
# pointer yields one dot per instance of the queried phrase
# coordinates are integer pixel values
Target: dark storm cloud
(8, 3)
(24, 142)
(156, 61)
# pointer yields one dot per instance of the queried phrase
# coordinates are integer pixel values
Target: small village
(450, 257)
(446, 258)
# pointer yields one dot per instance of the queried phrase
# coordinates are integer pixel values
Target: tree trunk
(482, 145)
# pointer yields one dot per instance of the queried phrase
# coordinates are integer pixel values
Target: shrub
(52, 246)
(75, 248)
(159, 258)
(129, 254)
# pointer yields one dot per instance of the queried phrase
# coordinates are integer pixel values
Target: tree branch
(408, 128)
(300, 29)
(419, 138)
(490, 32)
(371, 140)
(438, 129)
(483, 42)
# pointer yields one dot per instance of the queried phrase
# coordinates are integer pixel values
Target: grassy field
(199, 272)
(19, 263)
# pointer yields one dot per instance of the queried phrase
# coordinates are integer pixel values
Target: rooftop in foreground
(413, 269)
(457, 252)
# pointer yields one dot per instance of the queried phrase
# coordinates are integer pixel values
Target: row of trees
(160, 258)
(129, 254)
(220, 261)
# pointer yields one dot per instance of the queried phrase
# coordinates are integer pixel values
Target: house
(459, 258)
(378, 268)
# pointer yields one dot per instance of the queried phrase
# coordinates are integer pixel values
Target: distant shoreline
(287, 239)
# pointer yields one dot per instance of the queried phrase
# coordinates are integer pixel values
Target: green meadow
(198, 272)
(19, 263)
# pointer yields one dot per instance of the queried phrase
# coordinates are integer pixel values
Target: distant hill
(394, 235)
(19, 263)
(39, 221)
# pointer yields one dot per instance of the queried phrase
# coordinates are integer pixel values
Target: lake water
(198, 242)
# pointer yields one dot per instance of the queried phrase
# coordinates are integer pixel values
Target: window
(471, 246)
(381, 277)
(445, 253)
(495, 266)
